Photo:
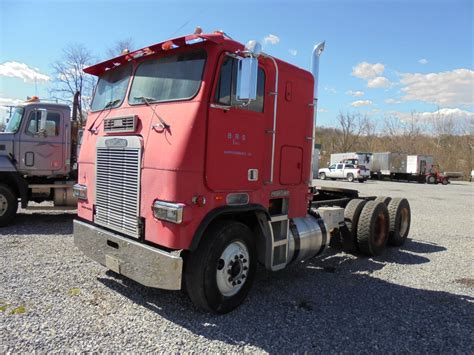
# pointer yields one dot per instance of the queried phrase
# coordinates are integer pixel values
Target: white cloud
(378, 82)
(355, 93)
(423, 61)
(330, 89)
(392, 101)
(445, 88)
(360, 103)
(444, 113)
(271, 39)
(9, 102)
(366, 70)
(22, 71)
(323, 110)
(293, 51)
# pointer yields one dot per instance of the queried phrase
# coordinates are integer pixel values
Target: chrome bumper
(142, 263)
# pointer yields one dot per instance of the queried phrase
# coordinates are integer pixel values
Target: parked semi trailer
(38, 157)
(356, 158)
(196, 165)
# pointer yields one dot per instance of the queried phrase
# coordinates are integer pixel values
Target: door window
(227, 87)
(52, 126)
(339, 166)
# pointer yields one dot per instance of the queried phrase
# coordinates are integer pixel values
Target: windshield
(175, 77)
(15, 120)
(111, 88)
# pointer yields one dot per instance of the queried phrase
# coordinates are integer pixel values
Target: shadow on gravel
(40, 223)
(330, 304)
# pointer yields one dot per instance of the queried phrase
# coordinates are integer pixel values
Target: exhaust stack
(317, 51)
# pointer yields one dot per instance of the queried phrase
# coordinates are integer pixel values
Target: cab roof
(100, 68)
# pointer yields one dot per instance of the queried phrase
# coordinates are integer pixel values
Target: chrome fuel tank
(308, 238)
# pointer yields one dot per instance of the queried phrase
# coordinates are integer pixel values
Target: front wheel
(8, 205)
(322, 176)
(219, 274)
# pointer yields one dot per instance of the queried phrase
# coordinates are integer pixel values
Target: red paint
(208, 151)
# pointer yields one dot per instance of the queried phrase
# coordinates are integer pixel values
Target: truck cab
(195, 165)
(35, 155)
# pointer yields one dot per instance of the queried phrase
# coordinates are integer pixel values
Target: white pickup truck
(344, 171)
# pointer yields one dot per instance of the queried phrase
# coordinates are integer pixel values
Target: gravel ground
(419, 298)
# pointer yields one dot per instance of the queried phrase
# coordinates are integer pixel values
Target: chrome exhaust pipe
(317, 51)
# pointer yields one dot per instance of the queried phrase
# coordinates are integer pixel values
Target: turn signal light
(79, 191)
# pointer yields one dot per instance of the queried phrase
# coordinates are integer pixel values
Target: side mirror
(247, 71)
(44, 115)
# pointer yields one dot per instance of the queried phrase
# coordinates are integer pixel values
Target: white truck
(344, 171)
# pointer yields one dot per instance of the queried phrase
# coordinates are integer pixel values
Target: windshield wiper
(108, 105)
(147, 101)
(112, 103)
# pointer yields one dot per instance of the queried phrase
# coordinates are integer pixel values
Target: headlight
(80, 191)
(172, 212)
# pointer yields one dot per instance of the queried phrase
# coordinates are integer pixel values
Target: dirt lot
(419, 298)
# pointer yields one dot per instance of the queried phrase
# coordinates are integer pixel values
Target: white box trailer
(419, 164)
(387, 163)
(361, 158)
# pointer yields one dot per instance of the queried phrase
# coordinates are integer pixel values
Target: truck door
(41, 153)
(236, 135)
(339, 172)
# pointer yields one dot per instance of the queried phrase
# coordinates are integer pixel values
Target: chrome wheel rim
(232, 268)
(3, 205)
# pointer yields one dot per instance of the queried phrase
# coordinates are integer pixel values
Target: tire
(384, 199)
(8, 205)
(322, 176)
(373, 228)
(445, 181)
(400, 219)
(430, 179)
(220, 272)
(362, 180)
(350, 177)
(351, 218)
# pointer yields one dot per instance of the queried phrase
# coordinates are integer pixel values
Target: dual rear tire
(374, 224)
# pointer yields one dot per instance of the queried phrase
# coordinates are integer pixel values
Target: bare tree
(70, 77)
(352, 126)
(119, 47)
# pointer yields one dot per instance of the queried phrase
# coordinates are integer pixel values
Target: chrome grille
(118, 189)
(120, 124)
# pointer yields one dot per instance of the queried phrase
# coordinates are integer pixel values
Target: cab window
(227, 87)
(339, 166)
(52, 126)
(333, 166)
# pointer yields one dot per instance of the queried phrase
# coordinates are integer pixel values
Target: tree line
(449, 139)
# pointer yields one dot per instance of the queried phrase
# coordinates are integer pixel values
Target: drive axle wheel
(373, 228)
(400, 220)
(350, 177)
(351, 218)
(219, 274)
(384, 199)
(8, 205)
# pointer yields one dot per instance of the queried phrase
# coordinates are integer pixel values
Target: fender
(259, 211)
(11, 176)
(6, 165)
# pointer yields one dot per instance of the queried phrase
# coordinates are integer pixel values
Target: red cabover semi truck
(196, 165)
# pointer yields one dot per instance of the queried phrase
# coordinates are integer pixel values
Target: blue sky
(381, 57)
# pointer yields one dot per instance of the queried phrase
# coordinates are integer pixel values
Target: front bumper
(142, 263)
